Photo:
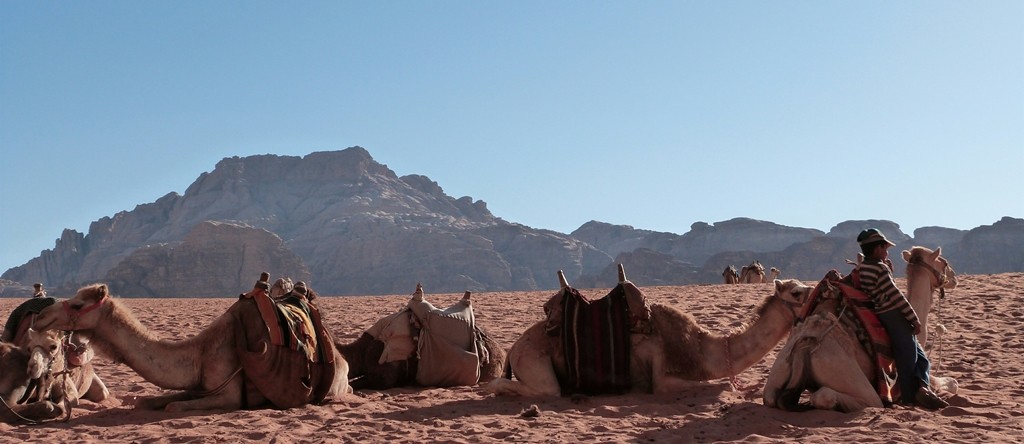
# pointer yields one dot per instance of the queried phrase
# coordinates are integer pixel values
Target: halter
(940, 276)
(73, 315)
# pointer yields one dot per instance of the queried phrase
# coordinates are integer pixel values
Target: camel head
(44, 349)
(922, 261)
(794, 293)
(78, 349)
(84, 311)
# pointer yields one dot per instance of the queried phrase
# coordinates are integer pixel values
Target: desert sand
(983, 349)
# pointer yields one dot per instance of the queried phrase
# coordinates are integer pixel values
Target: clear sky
(655, 114)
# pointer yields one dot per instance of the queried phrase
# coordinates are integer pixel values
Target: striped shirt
(876, 280)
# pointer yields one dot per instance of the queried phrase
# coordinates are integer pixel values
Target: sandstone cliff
(349, 225)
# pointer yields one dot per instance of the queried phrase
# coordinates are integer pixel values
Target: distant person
(898, 318)
(39, 291)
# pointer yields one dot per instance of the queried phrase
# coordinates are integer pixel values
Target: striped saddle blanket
(596, 341)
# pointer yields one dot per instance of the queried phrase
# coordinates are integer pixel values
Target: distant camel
(731, 275)
(752, 274)
(773, 274)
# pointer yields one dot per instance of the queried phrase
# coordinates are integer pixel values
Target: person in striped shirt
(898, 318)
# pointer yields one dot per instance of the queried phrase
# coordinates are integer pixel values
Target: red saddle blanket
(596, 341)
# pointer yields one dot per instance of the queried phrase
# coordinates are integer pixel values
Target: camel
(824, 356)
(231, 364)
(752, 274)
(385, 356)
(773, 274)
(731, 275)
(673, 355)
(15, 384)
(927, 271)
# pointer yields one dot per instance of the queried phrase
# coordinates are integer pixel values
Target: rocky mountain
(347, 224)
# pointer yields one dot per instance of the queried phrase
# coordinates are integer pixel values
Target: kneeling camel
(538, 361)
(230, 365)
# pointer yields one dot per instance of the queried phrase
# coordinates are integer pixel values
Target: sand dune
(983, 349)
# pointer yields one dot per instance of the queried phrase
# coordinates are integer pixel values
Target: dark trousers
(911, 363)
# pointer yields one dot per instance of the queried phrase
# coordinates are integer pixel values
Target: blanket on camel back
(295, 326)
(450, 347)
(596, 340)
(856, 312)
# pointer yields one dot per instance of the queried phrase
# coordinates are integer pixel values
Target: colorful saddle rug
(859, 317)
(596, 341)
(292, 322)
(295, 328)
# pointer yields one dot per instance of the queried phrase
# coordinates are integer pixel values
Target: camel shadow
(736, 422)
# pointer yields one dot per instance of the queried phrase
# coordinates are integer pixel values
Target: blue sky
(652, 114)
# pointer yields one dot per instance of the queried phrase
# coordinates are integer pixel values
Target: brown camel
(824, 356)
(232, 364)
(731, 275)
(752, 274)
(927, 271)
(670, 357)
(15, 384)
(385, 355)
(773, 274)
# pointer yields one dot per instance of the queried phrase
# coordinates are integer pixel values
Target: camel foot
(945, 384)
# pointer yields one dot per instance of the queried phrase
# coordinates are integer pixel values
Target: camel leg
(535, 378)
(160, 402)
(847, 391)
(221, 401)
(97, 390)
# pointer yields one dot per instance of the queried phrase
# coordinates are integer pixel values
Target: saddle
(450, 347)
(295, 326)
(596, 340)
(856, 313)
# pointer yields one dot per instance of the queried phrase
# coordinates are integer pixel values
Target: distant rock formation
(215, 259)
(349, 225)
(644, 267)
(356, 226)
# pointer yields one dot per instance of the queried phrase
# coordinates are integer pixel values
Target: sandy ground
(983, 349)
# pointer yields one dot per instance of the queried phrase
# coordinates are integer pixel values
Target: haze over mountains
(348, 225)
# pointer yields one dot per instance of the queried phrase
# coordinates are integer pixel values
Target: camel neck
(746, 348)
(163, 363)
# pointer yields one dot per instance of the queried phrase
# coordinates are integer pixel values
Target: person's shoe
(929, 400)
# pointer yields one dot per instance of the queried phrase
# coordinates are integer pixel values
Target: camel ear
(418, 294)
(562, 282)
(906, 255)
(937, 253)
(622, 274)
(465, 297)
(778, 286)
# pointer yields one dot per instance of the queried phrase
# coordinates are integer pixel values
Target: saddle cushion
(395, 332)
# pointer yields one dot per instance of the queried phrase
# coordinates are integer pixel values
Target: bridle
(73, 315)
(941, 277)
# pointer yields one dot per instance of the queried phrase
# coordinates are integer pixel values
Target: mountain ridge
(350, 225)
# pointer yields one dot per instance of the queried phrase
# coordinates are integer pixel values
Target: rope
(221, 387)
